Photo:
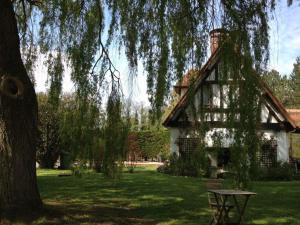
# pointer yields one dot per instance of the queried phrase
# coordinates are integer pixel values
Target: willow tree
(168, 36)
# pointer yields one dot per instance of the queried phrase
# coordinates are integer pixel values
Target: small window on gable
(224, 73)
(206, 95)
(229, 75)
(216, 97)
(235, 93)
(225, 93)
(212, 75)
(207, 117)
(220, 72)
(197, 99)
(217, 117)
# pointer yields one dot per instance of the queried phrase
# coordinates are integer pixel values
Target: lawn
(147, 197)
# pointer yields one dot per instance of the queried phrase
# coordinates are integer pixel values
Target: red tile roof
(295, 115)
(188, 78)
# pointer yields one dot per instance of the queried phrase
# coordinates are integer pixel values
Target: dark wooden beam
(219, 124)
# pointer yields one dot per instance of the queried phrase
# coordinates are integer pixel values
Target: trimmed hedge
(152, 143)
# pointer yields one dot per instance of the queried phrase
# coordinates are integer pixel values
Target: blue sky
(284, 48)
(285, 37)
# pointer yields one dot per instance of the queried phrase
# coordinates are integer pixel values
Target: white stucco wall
(283, 143)
(264, 114)
(174, 134)
(283, 146)
(281, 137)
(223, 134)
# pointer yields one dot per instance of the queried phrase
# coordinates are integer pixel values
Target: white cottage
(207, 89)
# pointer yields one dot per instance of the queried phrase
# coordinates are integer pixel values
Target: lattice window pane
(268, 154)
(187, 145)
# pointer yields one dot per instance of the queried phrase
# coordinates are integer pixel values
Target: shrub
(153, 143)
(99, 155)
(163, 168)
(281, 171)
(193, 165)
(78, 169)
(65, 160)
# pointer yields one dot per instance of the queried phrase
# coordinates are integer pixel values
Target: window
(225, 94)
(206, 95)
(212, 75)
(187, 145)
(224, 72)
(216, 95)
(217, 117)
(268, 154)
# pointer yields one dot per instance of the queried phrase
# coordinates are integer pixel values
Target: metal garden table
(222, 196)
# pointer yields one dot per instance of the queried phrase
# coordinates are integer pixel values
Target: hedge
(152, 143)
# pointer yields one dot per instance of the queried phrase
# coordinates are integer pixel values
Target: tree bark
(18, 121)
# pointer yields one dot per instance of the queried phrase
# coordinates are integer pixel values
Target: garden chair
(214, 201)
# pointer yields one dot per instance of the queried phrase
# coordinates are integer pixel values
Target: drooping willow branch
(111, 69)
(105, 59)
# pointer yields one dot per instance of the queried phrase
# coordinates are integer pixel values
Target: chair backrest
(213, 184)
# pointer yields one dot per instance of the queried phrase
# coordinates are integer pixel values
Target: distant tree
(115, 135)
(133, 151)
(295, 84)
(48, 148)
(172, 101)
(144, 118)
(136, 121)
(80, 130)
(280, 86)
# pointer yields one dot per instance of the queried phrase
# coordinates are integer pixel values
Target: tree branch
(34, 2)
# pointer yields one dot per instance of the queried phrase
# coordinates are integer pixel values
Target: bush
(99, 155)
(78, 169)
(193, 165)
(165, 168)
(154, 143)
(65, 161)
(281, 171)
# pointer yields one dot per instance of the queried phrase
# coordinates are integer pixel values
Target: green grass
(147, 197)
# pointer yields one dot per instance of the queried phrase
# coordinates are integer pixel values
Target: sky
(285, 37)
(284, 48)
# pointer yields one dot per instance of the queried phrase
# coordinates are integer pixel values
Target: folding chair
(215, 202)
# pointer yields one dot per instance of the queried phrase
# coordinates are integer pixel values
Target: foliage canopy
(168, 36)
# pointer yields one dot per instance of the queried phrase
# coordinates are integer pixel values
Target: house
(295, 136)
(205, 88)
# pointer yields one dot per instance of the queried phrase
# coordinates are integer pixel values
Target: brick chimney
(216, 37)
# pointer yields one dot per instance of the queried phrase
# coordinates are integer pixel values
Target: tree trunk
(18, 121)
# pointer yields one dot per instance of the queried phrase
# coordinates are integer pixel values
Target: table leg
(222, 209)
(239, 210)
(218, 215)
(214, 220)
